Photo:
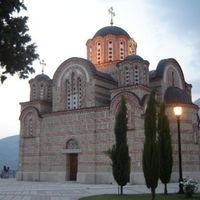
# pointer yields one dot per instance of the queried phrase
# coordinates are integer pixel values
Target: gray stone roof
(42, 77)
(134, 57)
(113, 30)
(176, 95)
(104, 76)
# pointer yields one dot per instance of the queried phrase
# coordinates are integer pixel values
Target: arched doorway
(72, 151)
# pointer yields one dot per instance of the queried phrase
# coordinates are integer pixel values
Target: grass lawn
(142, 197)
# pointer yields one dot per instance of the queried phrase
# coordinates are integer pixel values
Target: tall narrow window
(34, 92)
(41, 92)
(90, 53)
(98, 53)
(110, 51)
(136, 75)
(49, 94)
(127, 76)
(172, 78)
(121, 46)
(79, 84)
(144, 80)
(68, 88)
(74, 92)
(30, 127)
(122, 77)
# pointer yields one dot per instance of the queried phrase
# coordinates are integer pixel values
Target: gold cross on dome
(112, 13)
(43, 64)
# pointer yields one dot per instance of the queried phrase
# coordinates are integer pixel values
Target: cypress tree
(150, 160)
(119, 152)
(166, 160)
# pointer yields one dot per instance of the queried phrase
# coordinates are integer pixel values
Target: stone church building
(68, 123)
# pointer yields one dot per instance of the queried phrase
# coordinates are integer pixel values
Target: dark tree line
(157, 152)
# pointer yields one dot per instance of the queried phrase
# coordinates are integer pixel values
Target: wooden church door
(73, 166)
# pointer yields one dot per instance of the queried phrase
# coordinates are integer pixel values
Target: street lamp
(178, 113)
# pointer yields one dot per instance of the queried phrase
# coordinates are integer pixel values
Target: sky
(60, 29)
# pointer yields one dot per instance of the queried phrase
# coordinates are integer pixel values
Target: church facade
(68, 123)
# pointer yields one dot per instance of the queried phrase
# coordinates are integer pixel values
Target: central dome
(113, 30)
(108, 46)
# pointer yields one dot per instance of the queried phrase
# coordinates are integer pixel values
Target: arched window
(29, 126)
(173, 77)
(74, 92)
(71, 144)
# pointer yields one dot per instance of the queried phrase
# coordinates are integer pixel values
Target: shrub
(190, 186)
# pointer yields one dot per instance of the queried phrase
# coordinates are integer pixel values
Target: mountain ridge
(9, 150)
(197, 102)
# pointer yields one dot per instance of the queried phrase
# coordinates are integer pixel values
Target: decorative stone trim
(69, 151)
(29, 136)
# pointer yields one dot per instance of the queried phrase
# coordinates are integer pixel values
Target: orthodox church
(68, 123)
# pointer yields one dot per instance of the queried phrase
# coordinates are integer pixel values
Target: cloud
(178, 31)
(181, 15)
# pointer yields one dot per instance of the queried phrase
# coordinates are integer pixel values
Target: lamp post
(178, 113)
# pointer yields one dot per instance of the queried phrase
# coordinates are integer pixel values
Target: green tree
(119, 154)
(150, 160)
(166, 160)
(16, 51)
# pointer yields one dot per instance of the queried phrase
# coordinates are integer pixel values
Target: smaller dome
(176, 95)
(42, 77)
(113, 30)
(134, 57)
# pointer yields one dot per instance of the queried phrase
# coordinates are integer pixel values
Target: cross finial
(112, 13)
(43, 64)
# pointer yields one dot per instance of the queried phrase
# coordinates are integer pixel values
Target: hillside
(9, 150)
(197, 102)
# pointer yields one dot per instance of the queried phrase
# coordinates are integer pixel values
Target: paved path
(10, 189)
